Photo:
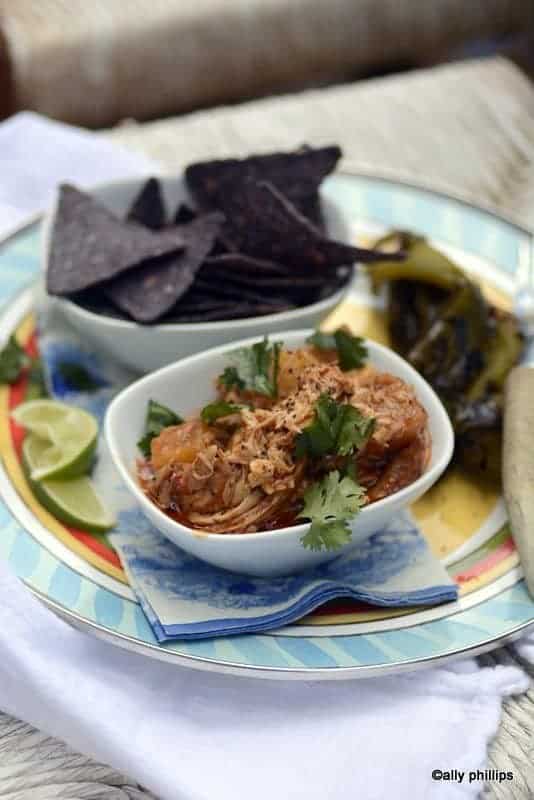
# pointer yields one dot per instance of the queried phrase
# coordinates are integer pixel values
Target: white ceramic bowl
(187, 386)
(144, 348)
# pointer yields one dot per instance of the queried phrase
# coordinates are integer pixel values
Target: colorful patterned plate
(79, 576)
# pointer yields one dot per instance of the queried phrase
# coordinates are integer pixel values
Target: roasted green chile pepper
(502, 352)
(421, 263)
(440, 321)
(449, 354)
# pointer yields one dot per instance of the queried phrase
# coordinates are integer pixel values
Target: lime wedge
(67, 436)
(73, 501)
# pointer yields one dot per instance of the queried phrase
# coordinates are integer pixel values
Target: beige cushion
(467, 127)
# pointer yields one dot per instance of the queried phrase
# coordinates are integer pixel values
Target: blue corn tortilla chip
(234, 293)
(263, 223)
(184, 214)
(242, 272)
(210, 312)
(297, 175)
(150, 291)
(235, 265)
(148, 208)
(89, 245)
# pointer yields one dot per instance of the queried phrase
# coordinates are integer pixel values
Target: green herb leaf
(13, 360)
(337, 429)
(323, 341)
(351, 350)
(354, 431)
(214, 411)
(78, 377)
(254, 369)
(329, 505)
(158, 417)
(36, 387)
(230, 377)
(327, 535)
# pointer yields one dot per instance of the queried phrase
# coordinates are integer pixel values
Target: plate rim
(206, 663)
(237, 669)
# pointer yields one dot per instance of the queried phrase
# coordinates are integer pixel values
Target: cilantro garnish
(323, 341)
(351, 350)
(36, 386)
(337, 429)
(158, 417)
(78, 378)
(254, 369)
(214, 411)
(230, 377)
(329, 504)
(13, 360)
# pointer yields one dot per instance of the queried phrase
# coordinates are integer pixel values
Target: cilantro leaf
(323, 341)
(329, 504)
(230, 377)
(158, 417)
(214, 411)
(337, 429)
(13, 360)
(254, 369)
(354, 430)
(328, 535)
(36, 386)
(77, 377)
(351, 350)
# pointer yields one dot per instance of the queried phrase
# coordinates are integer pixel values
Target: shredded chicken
(240, 473)
(399, 416)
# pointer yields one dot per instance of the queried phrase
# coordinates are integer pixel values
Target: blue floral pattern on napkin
(186, 598)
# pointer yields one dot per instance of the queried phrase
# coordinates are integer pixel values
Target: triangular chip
(148, 208)
(150, 291)
(90, 245)
(239, 274)
(297, 175)
(261, 222)
(184, 214)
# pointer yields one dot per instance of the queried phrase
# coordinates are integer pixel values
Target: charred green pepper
(440, 321)
(449, 354)
(421, 263)
(502, 352)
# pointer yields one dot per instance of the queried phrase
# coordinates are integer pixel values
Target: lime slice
(68, 437)
(73, 502)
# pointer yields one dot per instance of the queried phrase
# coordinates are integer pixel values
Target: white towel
(37, 154)
(197, 736)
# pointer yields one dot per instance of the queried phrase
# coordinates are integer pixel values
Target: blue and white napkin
(184, 598)
(63, 354)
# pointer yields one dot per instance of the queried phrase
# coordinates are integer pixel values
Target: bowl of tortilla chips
(152, 271)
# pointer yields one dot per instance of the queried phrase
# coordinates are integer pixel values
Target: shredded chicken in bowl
(292, 434)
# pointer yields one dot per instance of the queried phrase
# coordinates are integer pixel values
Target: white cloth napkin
(196, 736)
(37, 154)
